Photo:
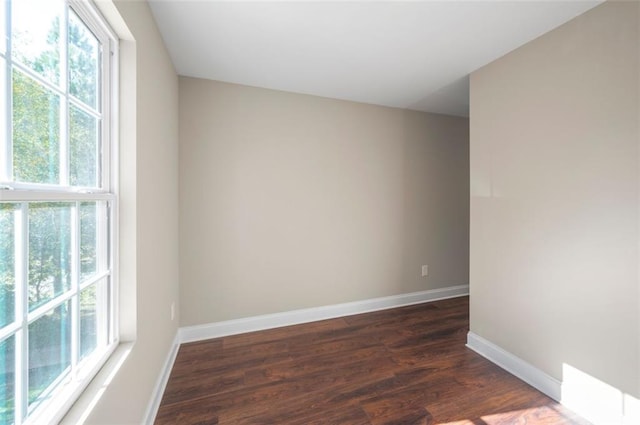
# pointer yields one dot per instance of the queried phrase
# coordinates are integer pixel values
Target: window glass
(3, 29)
(49, 350)
(4, 143)
(83, 62)
(36, 37)
(7, 379)
(88, 321)
(7, 263)
(88, 239)
(84, 148)
(36, 131)
(49, 251)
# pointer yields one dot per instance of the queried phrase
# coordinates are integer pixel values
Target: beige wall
(290, 201)
(554, 199)
(149, 220)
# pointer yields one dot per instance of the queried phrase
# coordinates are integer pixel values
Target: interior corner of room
(244, 208)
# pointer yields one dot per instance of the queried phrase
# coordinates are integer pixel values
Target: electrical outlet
(425, 270)
(173, 311)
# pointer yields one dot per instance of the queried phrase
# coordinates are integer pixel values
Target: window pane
(7, 371)
(88, 321)
(36, 35)
(88, 239)
(49, 350)
(36, 124)
(49, 251)
(83, 62)
(4, 152)
(83, 148)
(3, 29)
(7, 263)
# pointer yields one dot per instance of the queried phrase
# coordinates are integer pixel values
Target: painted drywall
(290, 201)
(148, 221)
(554, 199)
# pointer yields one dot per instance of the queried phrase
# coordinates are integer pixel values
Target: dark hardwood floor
(406, 365)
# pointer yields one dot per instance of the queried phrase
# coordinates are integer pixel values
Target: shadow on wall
(435, 209)
(452, 99)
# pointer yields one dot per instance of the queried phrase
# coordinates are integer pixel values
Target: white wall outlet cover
(425, 270)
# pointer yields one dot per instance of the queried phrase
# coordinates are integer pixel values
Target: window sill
(78, 412)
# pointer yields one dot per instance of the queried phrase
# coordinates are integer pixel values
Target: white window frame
(63, 396)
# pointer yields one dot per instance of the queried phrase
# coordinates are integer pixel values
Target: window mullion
(77, 103)
(35, 195)
(5, 110)
(22, 311)
(75, 288)
(103, 130)
(9, 330)
(36, 77)
(6, 163)
(102, 288)
(42, 310)
(20, 379)
(111, 291)
(4, 15)
(64, 100)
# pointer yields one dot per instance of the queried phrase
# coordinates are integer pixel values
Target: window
(57, 205)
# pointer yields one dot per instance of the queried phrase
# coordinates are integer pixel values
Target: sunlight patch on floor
(542, 414)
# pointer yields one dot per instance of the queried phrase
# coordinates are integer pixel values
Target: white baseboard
(516, 366)
(594, 400)
(269, 321)
(161, 383)
(294, 317)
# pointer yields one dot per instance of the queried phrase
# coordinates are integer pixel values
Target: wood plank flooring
(406, 365)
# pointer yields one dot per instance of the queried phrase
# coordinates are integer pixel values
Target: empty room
(319, 212)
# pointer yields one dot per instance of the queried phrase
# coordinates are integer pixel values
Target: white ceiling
(415, 55)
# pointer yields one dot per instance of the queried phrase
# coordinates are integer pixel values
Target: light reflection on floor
(542, 415)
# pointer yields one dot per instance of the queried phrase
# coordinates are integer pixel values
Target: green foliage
(36, 131)
(48, 62)
(49, 251)
(7, 255)
(88, 220)
(83, 62)
(83, 148)
(36, 111)
(36, 159)
(7, 354)
(50, 353)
